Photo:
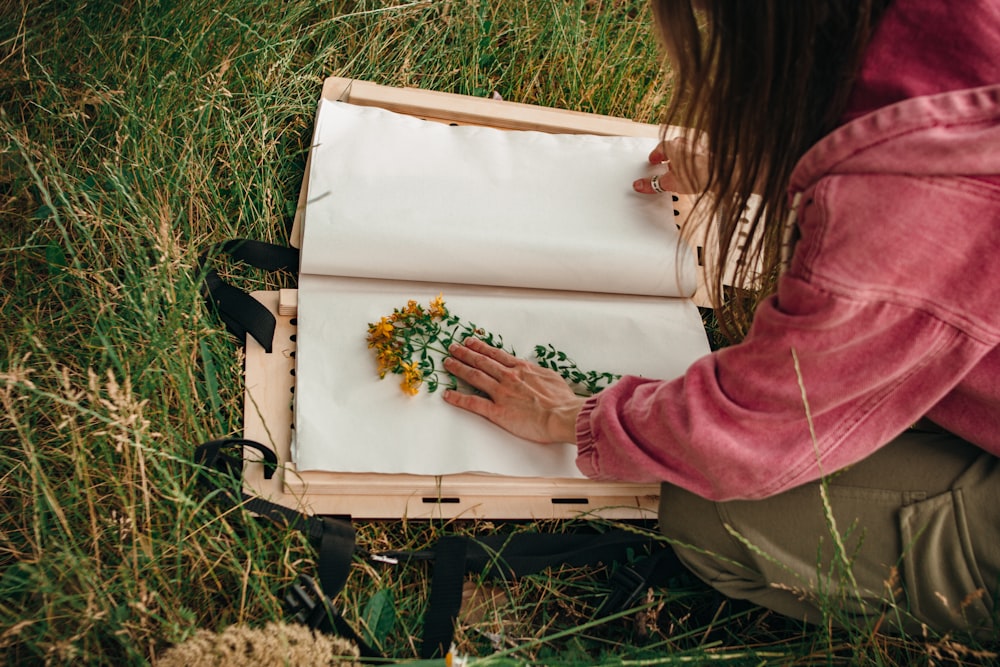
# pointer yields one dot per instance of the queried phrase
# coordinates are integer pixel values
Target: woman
(842, 453)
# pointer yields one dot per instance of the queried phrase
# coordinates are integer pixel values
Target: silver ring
(654, 183)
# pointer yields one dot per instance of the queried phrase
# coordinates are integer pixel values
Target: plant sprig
(413, 340)
(585, 383)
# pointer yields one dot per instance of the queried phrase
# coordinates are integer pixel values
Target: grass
(133, 134)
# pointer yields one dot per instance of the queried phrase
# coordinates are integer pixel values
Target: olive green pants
(909, 537)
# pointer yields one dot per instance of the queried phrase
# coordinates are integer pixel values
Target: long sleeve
(889, 304)
(735, 425)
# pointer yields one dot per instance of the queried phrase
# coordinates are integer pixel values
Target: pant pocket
(944, 586)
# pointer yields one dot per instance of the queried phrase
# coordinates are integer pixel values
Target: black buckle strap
(306, 603)
(630, 582)
(241, 313)
(309, 602)
(213, 455)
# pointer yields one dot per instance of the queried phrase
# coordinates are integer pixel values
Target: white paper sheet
(391, 196)
(350, 421)
(399, 209)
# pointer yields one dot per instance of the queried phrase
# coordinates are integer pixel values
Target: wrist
(562, 421)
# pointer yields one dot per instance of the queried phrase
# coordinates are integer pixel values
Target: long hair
(759, 81)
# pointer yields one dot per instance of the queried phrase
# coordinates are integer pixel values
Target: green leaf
(211, 380)
(55, 257)
(380, 616)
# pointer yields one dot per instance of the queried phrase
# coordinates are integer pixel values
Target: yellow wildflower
(380, 332)
(388, 360)
(437, 308)
(412, 377)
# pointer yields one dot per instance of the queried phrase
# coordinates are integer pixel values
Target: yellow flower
(437, 308)
(388, 360)
(380, 332)
(412, 307)
(412, 377)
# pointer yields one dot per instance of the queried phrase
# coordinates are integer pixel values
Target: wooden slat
(466, 110)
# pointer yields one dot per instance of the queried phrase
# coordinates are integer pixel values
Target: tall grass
(132, 134)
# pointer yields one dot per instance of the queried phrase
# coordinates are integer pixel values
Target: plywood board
(270, 386)
(270, 381)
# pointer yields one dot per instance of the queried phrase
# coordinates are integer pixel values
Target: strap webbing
(241, 313)
(497, 556)
(445, 598)
(334, 540)
(520, 554)
(511, 556)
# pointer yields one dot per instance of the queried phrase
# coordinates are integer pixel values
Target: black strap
(445, 598)
(241, 313)
(334, 539)
(306, 603)
(516, 555)
(520, 554)
(214, 455)
(499, 556)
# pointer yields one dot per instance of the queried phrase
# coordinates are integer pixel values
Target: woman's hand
(532, 402)
(685, 168)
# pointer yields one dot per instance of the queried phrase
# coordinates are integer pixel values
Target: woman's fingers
(521, 397)
(684, 166)
(658, 155)
(481, 362)
(494, 353)
(658, 183)
(655, 185)
(469, 370)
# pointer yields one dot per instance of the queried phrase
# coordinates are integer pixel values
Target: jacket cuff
(586, 450)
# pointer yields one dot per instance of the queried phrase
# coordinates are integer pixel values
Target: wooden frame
(270, 377)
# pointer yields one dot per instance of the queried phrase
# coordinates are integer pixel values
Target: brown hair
(761, 81)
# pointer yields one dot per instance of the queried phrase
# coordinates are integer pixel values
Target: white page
(348, 420)
(392, 196)
(404, 209)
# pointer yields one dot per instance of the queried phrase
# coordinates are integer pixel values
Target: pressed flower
(379, 332)
(412, 377)
(412, 341)
(388, 361)
(436, 308)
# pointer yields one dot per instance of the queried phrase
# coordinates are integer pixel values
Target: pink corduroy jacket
(891, 304)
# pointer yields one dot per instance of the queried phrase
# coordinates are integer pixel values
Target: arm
(735, 425)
